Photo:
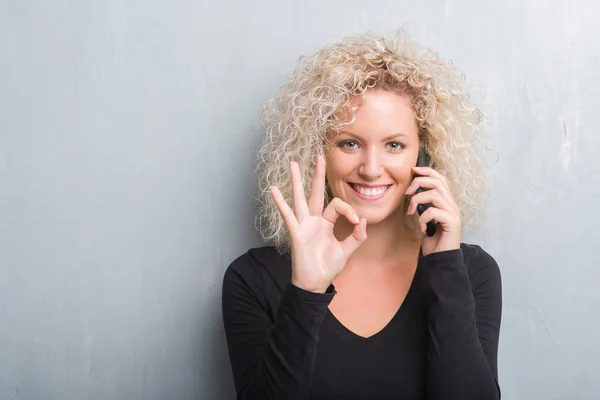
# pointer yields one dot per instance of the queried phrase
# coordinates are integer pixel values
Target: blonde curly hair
(315, 100)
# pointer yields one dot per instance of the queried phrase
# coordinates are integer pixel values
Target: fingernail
(356, 219)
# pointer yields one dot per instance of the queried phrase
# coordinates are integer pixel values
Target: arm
(464, 325)
(270, 360)
(274, 360)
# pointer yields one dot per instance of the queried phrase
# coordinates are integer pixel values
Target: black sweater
(284, 343)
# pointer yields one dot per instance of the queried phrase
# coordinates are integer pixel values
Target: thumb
(358, 236)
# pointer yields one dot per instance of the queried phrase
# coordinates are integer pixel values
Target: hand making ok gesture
(317, 256)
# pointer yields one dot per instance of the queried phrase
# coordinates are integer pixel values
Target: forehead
(382, 113)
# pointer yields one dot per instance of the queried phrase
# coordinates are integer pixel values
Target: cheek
(334, 177)
(337, 166)
(330, 175)
(334, 181)
(403, 173)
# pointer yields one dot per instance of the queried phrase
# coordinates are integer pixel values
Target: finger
(431, 196)
(317, 192)
(358, 236)
(428, 171)
(423, 185)
(432, 173)
(447, 220)
(300, 206)
(336, 208)
(284, 209)
(424, 182)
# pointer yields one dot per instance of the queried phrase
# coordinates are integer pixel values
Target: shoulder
(255, 260)
(258, 267)
(481, 266)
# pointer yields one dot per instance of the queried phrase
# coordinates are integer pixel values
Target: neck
(387, 241)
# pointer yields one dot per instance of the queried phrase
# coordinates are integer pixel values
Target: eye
(395, 146)
(348, 144)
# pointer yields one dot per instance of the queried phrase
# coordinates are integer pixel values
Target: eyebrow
(385, 139)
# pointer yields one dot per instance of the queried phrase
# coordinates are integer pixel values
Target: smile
(369, 193)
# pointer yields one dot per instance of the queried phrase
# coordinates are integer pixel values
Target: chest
(366, 306)
(391, 364)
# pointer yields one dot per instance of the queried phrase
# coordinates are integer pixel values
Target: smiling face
(369, 162)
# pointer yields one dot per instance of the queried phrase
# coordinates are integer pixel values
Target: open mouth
(369, 192)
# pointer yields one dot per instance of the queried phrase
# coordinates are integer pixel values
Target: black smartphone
(423, 161)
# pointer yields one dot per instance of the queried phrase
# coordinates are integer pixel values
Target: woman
(353, 300)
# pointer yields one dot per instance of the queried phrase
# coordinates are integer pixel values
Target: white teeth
(371, 192)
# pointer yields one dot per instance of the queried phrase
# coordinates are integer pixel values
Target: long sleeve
(464, 323)
(270, 359)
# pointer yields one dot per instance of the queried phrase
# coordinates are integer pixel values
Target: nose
(371, 166)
